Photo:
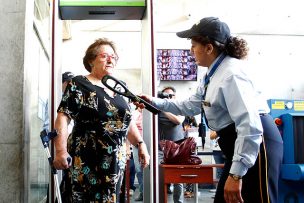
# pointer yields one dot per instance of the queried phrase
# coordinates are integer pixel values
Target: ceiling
(245, 17)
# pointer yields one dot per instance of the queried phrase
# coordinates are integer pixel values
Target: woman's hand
(62, 160)
(143, 155)
(135, 138)
(232, 190)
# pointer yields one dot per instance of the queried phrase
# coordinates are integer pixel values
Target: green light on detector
(102, 3)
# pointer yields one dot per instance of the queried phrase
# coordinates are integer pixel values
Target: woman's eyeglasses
(105, 57)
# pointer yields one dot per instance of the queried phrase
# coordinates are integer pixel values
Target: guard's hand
(143, 155)
(62, 160)
(232, 191)
(213, 135)
(144, 97)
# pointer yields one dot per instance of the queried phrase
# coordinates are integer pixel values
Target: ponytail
(236, 47)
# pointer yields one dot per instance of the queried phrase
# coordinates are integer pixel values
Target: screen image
(176, 64)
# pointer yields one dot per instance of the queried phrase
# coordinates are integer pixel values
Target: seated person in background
(170, 128)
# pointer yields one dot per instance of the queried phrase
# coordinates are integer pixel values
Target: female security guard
(249, 138)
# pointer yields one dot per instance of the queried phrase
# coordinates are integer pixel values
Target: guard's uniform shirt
(228, 85)
(233, 108)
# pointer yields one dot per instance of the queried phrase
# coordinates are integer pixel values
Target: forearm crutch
(46, 137)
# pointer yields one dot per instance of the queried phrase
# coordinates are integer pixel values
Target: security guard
(249, 138)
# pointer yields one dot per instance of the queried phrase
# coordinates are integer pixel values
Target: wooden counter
(202, 173)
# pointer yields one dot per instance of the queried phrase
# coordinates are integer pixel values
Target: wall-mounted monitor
(176, 64)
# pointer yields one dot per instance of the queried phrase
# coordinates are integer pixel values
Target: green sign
(102, 3)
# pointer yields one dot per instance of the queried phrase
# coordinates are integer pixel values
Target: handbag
(180, 152)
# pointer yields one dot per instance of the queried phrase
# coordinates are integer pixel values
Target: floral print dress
(97, 143)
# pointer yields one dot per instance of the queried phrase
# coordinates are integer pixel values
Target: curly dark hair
(235, 47)
(92, 51)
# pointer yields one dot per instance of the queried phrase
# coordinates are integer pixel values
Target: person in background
(132, 171)
(248, 137)
(102, 123)
(218, 155)
(66, 78)
(138, 118)
(189, 123)
(170, 128)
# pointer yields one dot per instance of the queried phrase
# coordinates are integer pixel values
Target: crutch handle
(46, 136)
(69, 159)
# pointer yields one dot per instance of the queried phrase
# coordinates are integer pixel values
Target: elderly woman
(97, 144)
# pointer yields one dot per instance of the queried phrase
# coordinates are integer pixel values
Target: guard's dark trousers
(260, 184)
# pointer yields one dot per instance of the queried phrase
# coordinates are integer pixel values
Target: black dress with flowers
(97, 143)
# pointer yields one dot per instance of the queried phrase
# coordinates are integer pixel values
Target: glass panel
(42, 21)
(38, 86)
(38, 111)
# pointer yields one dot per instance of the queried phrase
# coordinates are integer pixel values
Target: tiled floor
(204, 196)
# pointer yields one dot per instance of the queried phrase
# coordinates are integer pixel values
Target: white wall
(125, 34)
(276, 65)
(274, 31)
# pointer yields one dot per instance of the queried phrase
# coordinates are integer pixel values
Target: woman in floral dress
(102, 123)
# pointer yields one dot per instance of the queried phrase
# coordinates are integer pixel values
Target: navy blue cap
(210, 27)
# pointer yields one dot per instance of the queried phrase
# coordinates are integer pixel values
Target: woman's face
(200, 53)
(104, 62)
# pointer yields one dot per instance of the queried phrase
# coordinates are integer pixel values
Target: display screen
(176, 64)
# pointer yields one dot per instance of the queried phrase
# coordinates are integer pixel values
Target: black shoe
(140, 197)
(131, 192)
(188, 194)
